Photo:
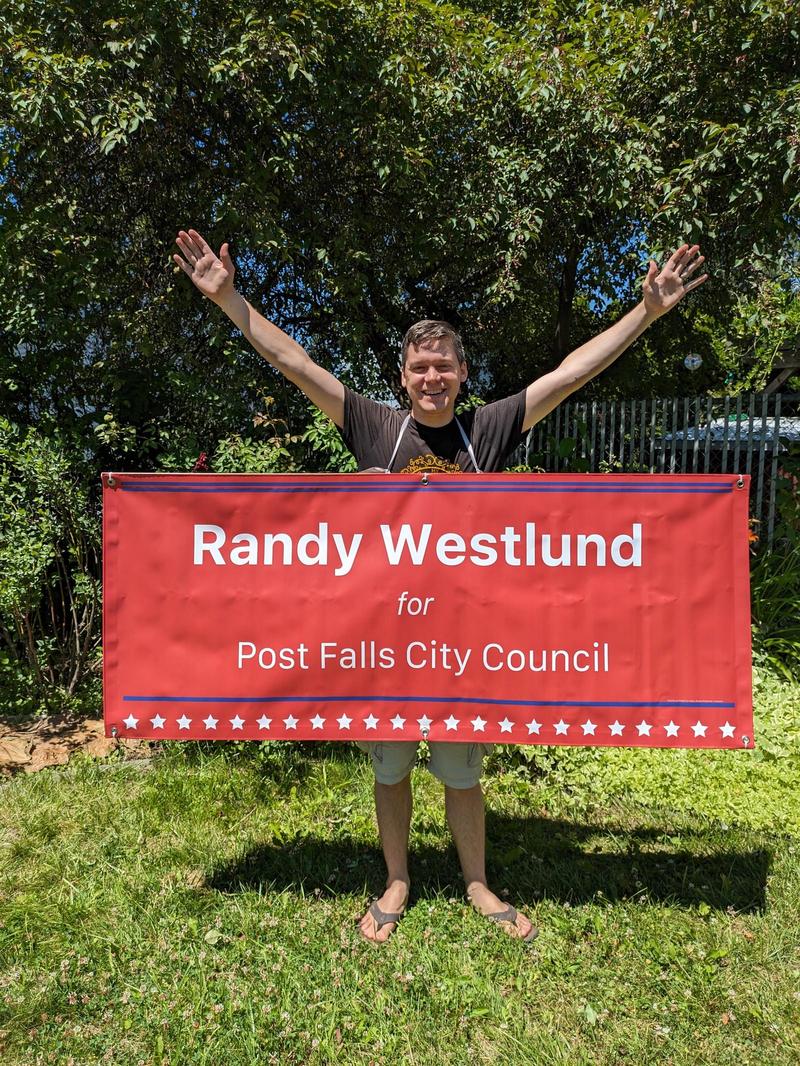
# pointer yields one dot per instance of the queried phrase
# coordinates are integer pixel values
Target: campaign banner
(577, 609)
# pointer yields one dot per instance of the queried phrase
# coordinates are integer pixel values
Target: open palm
(663, 289)
(212, 274)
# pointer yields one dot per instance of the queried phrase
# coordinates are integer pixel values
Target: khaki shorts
(455, 765)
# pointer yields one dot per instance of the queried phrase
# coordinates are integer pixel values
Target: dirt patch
(31, 744)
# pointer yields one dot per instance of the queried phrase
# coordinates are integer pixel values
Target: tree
(372, 163)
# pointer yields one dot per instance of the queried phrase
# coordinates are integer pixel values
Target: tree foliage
(505, 167)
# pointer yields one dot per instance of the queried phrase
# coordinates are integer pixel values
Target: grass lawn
(203, 912)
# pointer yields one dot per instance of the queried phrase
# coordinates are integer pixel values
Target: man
(431, 437)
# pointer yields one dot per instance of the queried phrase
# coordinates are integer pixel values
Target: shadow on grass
(531, 858)
(277, 760)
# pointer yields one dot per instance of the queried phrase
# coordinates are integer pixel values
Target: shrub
(328, 450)
(50, 561)
(775, 582)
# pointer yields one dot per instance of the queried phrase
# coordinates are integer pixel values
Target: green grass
(204, 912)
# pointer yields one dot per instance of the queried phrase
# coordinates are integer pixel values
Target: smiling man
(432, 437)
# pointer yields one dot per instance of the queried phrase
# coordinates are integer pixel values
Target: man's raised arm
(213, 276)
(661, 292)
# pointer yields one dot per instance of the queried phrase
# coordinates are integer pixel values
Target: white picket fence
(733, 434)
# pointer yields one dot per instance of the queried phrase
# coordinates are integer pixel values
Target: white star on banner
(671, 728)
(131, 722)
(290, 722)
(699, 729)
(158, 722)
(424, 723)
(211, 723)
(398, 722)
(561, 728)
(237, 722)
(616, 728)
(451, 723)
(644, 728)
(371, 722)
(317, 722)
(264, 722)
(727, 730)
(534, 726)
(506, 726)
(344, 722)
(478, 724)
(184, 722)
(588, 727)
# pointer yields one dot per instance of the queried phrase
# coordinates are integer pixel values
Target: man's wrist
(648, 316)
(228, 301)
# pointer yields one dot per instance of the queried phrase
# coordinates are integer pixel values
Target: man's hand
(212, 275)
(662, 290)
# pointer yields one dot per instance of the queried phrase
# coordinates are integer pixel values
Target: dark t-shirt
(371, 429)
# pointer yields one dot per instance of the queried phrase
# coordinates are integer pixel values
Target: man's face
(432, 376)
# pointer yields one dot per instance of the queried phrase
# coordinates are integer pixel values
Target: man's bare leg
(467, 821)
(393, 808)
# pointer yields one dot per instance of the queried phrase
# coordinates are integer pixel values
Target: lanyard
(464, 437)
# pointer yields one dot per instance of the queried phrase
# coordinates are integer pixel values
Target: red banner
(510, 608)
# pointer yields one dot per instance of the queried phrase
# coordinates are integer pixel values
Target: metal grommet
(424, 479)
(114, 731)
(746, 741)
(740, 482)
(424, 734)
(112, 481)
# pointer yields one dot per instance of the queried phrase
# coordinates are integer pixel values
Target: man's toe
(369, 929)
(525, 928)
(384, 932)
(524, 925)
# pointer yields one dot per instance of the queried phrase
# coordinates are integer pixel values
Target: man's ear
(462, 372)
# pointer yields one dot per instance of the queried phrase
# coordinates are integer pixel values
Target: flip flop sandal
(382, 918)
(510, 915)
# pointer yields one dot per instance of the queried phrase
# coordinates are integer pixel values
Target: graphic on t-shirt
(428, 464)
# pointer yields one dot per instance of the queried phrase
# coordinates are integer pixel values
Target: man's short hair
(430, 329)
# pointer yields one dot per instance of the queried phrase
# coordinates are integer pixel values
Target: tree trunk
(566, 294)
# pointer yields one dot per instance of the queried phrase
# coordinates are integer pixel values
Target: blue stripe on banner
(428, 699)
(712, 490)
(669, 479)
